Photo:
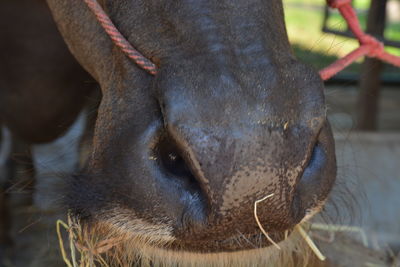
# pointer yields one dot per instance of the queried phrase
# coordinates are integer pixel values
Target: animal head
(180, 159)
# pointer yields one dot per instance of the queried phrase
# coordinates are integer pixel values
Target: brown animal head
(230, 117)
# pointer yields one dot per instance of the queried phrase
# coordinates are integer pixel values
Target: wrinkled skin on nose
(230, 117)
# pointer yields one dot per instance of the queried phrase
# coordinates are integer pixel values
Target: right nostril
(312, 175)
(171, 161)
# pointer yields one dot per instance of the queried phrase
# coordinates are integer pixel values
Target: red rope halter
(369, 45)
(118, 39)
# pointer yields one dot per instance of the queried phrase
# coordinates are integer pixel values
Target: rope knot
(375, 47)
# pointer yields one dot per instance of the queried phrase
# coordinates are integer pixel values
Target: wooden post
(368, 98)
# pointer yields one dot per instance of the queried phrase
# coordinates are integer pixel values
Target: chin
(119, 241)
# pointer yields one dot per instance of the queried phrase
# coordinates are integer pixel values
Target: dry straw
(333, 228)
(90, 254)
(310, 242)
(300, 229)
(259, 223)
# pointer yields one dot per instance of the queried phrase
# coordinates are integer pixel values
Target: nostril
(317, 178)
(317, 158)
(171, 161)
(312, 174)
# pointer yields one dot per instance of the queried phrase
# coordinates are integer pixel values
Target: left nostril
(176, 171)
(171, 161)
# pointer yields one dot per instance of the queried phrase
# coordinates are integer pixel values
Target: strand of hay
(310, 242)
(61, 241)
(259, 223)
(332, 228)
(71, 243)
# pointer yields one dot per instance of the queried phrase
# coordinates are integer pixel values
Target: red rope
(369, 46)
(118, 39)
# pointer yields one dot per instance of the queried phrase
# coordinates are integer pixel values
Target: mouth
(121, 225)
(119, 239)
(104, 244)
(238, 242)
(91, 233)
